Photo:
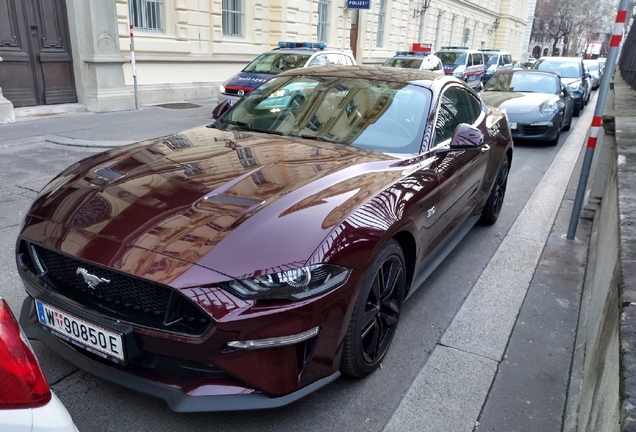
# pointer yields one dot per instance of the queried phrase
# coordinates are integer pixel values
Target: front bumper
(181, 395)
(528, 131)
(232, 98)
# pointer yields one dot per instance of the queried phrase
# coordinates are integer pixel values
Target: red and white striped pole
(133, 66)
(612, 56)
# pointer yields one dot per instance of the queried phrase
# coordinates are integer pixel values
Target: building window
(381, 15)
(233, 18)
(323, 20)
(146, 15)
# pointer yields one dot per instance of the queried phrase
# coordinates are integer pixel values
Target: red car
(248, 263)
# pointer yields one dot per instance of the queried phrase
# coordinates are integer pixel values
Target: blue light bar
(318, 45)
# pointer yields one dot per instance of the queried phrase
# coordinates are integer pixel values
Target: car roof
(413, 56)
(533, 71)
(404, 75)
(309, 51)
(572, 59)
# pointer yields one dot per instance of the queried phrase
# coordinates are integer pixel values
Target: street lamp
(495, 25)
(423, 6)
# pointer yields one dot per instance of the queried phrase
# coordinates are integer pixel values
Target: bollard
(612, 56)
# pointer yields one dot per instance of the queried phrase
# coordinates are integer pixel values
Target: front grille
(120, 296)
(532, 130)
(235, 91)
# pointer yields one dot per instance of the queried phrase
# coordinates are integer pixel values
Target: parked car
(463, 63)
(538, 105)
(288, 55)
(495, 60)
(595, 71)
(573, 75)
(248, 263)
(416, 60)
(26, 401)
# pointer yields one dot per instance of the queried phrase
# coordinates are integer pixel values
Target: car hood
(449, 68)
(514, 102)
(246, 81)
(234, 202)
(567, 81)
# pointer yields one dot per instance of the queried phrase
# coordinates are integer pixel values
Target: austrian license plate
(513, 125)
(96, 339)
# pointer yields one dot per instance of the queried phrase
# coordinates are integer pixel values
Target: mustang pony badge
(91, 280)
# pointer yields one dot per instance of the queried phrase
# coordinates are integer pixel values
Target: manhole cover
(179, 105)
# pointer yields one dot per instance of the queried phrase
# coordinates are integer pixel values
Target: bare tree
(570, 20)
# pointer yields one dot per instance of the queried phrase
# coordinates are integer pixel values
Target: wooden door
(353, 34)
(37, 67)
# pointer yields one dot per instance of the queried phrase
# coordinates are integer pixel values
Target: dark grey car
(538, 105)
(573, 74)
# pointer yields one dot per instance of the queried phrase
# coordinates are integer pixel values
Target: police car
(416, 60)
(288, 55)
(463, 63)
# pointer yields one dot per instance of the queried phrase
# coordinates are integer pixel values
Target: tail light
(22, 384)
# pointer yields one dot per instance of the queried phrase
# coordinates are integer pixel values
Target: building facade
(183, 49)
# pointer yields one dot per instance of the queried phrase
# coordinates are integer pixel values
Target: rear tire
(376, 313)
(490, 213)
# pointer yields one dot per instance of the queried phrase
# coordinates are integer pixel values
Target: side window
(319, 60)
(508, 59)
(479, 59)
(469, 60)
(456, 106)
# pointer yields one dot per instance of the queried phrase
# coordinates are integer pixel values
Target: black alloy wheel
(376, 313)
(490, 213)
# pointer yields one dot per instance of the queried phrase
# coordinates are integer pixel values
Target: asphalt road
(347, 404)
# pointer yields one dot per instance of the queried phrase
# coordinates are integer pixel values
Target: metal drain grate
(179, 105)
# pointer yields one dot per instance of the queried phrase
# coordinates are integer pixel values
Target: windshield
(491, 59)
(274, 62)
(526, 82)
(563, 69)
(593, 66)
(409, 63)
(448, 57)
(368, 114)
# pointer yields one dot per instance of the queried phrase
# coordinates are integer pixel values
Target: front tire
(376, 313)
(490, 213)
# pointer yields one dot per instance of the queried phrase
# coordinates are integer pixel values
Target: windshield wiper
(247, 126)
(318, 138)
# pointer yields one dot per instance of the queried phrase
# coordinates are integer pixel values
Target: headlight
(295, 284)
(222, 88)
(459, 71)
(549, 108)
(574, 86)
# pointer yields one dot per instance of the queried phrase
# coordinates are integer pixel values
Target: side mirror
(220, 109)
(465, 137)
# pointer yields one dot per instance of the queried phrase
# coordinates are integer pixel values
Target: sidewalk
(503, 368)
(104, 129)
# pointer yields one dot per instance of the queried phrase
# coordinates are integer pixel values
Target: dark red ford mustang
(246, 264)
